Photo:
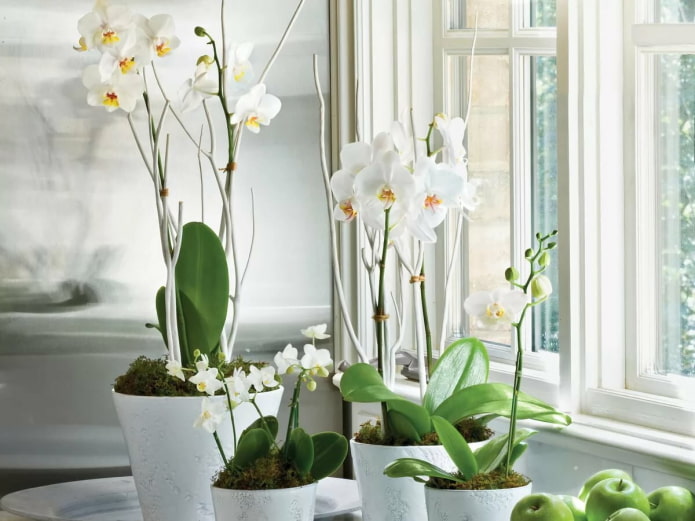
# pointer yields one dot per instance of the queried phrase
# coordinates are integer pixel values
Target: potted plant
(484, 485)
(198, 306)
(265, 478)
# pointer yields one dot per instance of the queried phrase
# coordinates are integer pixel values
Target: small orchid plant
(126, 79)
(310, 457)
(497, 309)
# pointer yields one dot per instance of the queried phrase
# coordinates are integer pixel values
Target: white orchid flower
(498, 308)
(286, 359)
(203, 364)
(354, 157)
(159, 33)
(316, 361)
(128, 58)
(118, 92)
(203, 85)
(211, 415)
(206, 381)
(438, 189)
(318, 332)
(174, 368)
(452, 132)
(260, 378)
(256, 108)
(239, 66)
(403, 142)
(237, 388)
(385, 184)
(105, 27)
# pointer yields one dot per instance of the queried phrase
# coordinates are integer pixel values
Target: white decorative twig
(281, 43)
(337, 276)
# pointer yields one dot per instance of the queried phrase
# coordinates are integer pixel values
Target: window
(579, 129)
(511, 143)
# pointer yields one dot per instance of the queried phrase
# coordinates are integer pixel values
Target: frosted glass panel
(492, 14)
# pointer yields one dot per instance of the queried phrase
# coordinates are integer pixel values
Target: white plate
(115, 499)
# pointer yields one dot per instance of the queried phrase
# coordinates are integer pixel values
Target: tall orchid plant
(126, 79)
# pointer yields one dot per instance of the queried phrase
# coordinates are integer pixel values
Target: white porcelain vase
(473, 505)
(172, 462)
(290, 504)
(393, 499)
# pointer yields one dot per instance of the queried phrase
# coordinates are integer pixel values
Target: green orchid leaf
(456, 446)
(300, 450)
(267, 423)
(517, 452)
(330, 450)
(253, 444)
(494, 453)
(417, 415)
(362, 383)
(202, 285)
(414, 468)
(161, 314)
(496, 398)
(401, 427)
(463, 364)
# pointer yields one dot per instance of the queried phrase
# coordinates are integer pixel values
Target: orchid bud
(511, 274)
(207, 60)
(199, 31)
(541, 287)
(529, 253)
(220, 357)
(311, 385)
(551, 246)
(544, 259)
(196, 353)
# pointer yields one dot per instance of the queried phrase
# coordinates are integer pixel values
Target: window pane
(492, 14)
(488, 144)
(544, 179)
(543, 13)
(676, 124)
(676, 11)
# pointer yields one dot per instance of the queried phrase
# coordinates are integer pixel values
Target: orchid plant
(500, 308)
(198, 307)
(302, 458)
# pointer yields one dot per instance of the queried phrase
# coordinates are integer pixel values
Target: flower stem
(380, 318)
(426, 322)
(219, 446)
(231, 412)
(293, 421)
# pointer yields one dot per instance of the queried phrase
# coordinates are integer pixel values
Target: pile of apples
(609, 495)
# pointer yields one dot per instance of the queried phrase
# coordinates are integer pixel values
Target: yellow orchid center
(239, 73)
(432, 202)
(162, 48)
(110, 99)
(206, 415)
(252, 122)
(81, 45)
(126, 65)
(109, 37)
(495, 310)
(348, 210)
(387, 196)
(202, 386)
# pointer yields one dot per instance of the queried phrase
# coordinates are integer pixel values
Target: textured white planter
(393, 499)
(172, 462)
(290, 504)
(473, 505)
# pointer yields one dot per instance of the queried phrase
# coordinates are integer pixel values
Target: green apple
(672, 504)
(541, 507)
(628, 514)
(576, 507)
(612, 494)
(600, 476)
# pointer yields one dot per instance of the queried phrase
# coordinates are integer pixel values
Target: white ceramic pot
(290, 504)
(393, 499)
(172, 462)
(473, 505)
